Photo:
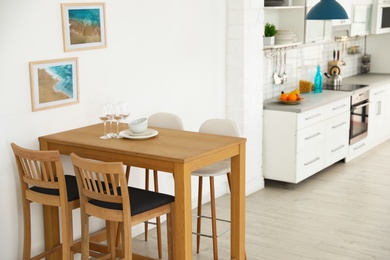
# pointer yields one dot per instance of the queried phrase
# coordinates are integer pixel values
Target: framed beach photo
(83, 26)
(54, 83)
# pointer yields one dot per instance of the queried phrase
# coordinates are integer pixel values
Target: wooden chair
(42, 180)
(162, 120)
(104, 194)
(218, 127)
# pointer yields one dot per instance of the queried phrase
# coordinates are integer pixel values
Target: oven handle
(360, 106)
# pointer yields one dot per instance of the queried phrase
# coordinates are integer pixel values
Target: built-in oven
(359, 117)
(358, 128)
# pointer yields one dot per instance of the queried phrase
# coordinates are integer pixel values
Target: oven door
(359, 122)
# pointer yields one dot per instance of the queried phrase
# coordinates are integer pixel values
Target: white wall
(161, 56)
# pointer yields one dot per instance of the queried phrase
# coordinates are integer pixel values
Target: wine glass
(124, 111)
(110, 112)
(103, 116)
(118, 115)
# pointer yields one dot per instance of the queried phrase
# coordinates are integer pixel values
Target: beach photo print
(54, 83)
(83, 26)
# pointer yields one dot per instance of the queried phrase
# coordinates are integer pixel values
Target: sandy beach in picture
(83, 33)
(47, 92)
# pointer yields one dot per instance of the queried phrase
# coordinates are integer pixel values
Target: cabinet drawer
(310, 136)
(310, 117)
(338, 126)
(337, 107)
(310, 162)
(336, 150)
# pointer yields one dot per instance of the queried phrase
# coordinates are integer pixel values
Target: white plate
(149, 133)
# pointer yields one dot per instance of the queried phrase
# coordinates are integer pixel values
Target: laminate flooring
(340, 213)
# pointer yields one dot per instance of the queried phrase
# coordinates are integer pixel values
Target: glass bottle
(318, 81)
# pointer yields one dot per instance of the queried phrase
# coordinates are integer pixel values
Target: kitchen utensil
(334, 54)
(277, 79)
(280, 67)
(335, 79)
(284, 77)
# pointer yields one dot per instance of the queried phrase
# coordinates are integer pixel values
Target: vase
(269, 40)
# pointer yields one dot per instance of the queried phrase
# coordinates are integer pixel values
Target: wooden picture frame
(83, 26)
(54, 83)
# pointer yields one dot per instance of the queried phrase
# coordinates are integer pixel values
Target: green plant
(269, 30)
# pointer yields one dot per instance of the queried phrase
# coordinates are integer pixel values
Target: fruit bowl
(290, 102)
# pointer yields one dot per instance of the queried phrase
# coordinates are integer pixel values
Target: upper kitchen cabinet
(316, 30)
(360, 17)
(289, 16)
(346, 4)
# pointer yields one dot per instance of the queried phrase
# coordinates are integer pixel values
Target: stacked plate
(285, 37)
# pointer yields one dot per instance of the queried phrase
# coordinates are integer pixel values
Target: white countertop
(312, 100)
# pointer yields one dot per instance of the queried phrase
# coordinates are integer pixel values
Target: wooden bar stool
(42, 180)
(104, 194)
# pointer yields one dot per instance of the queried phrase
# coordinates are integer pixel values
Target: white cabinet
(298, 145)
(346, 4)
(378, 117)
(361, 15)
(316, 30)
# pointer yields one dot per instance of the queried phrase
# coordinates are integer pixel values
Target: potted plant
(269, 34)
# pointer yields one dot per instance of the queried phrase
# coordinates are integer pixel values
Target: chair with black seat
(42, 180)
(219, 127)
(162, 120)
(104, 194)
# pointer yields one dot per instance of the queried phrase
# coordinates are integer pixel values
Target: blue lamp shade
(327, 10)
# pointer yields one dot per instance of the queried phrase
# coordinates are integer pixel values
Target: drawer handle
(312, 161)
(336, 108)
(337, 126)
(314, 116)
(358, 147)
(338, 148)
(312, 136)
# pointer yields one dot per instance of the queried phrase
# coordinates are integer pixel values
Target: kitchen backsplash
(301, 59)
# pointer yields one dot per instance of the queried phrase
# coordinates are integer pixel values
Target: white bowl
(139, 125)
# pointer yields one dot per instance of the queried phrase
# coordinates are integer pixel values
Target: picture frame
(83, 26)
(54, 83)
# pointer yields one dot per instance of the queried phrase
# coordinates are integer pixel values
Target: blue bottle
(318, 81)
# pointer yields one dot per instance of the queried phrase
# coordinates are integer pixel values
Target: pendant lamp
(327, 10)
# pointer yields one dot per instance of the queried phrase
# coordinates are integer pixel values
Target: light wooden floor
(340, 213)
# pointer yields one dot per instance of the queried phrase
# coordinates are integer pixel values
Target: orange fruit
(292, 97)
(284, 97)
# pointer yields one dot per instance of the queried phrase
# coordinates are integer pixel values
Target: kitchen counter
(371, 79)
(310, 101)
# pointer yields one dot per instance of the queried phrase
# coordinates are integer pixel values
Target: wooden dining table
(173, 151)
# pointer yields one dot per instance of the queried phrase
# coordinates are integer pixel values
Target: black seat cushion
(140, 201)
(71, 188)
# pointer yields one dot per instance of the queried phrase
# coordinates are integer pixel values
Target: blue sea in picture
(63, 73)
(86, 16)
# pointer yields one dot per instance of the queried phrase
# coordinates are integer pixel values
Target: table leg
(182, 236)
(237, 239)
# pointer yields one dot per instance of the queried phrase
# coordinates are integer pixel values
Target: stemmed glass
(124, 110)
(118, 116)
(103, 115)
(110, 112)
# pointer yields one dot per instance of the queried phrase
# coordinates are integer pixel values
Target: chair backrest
(166, 120)
(103, 189)
(220, 126)
(43, 170)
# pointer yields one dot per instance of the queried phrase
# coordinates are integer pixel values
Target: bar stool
(162, 120)
(104, 194)
(218, 127)
(42, 180)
